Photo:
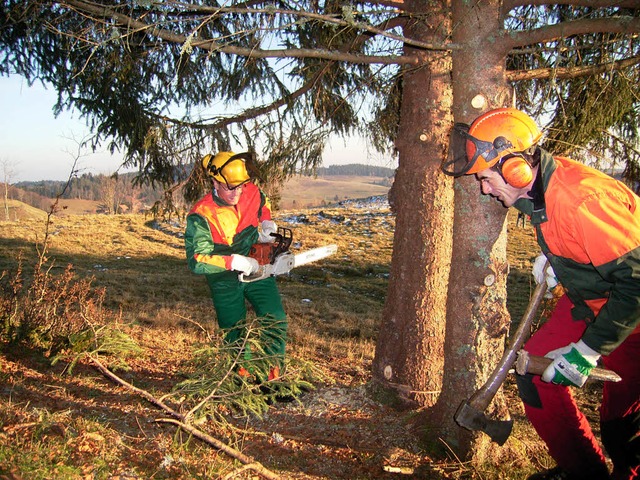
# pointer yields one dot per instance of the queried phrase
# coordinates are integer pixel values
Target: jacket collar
(535, 206)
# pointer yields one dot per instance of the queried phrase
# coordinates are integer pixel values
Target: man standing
(588, 226)
(221, 228)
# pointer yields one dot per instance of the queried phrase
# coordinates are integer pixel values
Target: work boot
(271, 389)
(274, 373)
(243, 376)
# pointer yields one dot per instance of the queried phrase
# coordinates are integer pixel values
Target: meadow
(62, 424)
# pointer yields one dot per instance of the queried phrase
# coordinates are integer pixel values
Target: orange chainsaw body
(266, 253)
(262, 252)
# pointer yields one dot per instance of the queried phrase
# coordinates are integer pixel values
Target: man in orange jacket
(588, 226)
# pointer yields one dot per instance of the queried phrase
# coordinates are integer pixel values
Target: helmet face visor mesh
(458, 163)
(484, 154)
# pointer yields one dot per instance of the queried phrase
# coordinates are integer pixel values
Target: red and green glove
(571, 365)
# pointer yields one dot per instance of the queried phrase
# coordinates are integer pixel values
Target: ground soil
(336, 431)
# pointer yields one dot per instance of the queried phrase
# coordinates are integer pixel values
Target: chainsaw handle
(262, 273)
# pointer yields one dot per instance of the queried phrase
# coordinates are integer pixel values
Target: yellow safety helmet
(227, 167)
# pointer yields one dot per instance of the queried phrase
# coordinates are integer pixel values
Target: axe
(470, 414)
(527, 363)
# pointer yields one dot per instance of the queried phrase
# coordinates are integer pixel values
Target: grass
(81, 426)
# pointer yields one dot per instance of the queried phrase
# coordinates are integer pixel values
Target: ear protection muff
(516, 170)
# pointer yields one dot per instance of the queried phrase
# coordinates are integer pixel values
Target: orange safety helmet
(503, 135)
(227, 167)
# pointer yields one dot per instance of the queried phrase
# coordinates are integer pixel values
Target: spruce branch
(179, 420)
(214, 46)
(572, 72)
(248, 461)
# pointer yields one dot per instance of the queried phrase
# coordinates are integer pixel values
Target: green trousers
(229, 297)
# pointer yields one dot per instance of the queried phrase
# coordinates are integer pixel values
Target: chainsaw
(276, 259)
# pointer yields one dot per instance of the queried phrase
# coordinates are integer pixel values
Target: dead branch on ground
(248, 461)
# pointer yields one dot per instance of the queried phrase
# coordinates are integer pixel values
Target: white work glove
(548, 276)
(571, 365)
(268, 227)
(244, 265)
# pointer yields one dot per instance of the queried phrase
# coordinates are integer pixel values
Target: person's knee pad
(527, 390)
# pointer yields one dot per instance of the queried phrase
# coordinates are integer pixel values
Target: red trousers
(553, 412)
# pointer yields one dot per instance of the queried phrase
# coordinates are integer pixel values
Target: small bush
(57, 313)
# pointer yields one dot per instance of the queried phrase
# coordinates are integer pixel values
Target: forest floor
(62, 424)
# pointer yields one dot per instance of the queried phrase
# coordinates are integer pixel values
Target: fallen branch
(245, 459)
(109, 374)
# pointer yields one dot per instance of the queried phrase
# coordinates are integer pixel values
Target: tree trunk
(409, 353)
(477, 317)
(445, 319)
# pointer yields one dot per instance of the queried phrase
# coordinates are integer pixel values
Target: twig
(140, 427)
(18, 426)
(187, 319)
(248, 461)
(245, 459)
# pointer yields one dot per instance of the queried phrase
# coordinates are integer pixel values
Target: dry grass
(304, 192)
(53, 426)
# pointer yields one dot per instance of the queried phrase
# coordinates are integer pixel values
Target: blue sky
(38, 146)
(35, 144)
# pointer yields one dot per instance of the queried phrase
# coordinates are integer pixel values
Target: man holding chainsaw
(588, 226)
(221, 229)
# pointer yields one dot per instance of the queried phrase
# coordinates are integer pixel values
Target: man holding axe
(588, 226)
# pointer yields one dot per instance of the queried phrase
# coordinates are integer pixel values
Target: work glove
(244, 265)
(571, 365)
(548, 276)
(268, 227)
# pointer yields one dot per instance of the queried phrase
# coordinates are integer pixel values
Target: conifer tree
(169, 81)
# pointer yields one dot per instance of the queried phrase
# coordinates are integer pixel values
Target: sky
(35, 145)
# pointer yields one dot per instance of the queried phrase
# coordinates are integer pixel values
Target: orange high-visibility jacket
(588, 226)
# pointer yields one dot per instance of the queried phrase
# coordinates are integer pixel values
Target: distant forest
(92, 187)
(85, 187)
(357, 169)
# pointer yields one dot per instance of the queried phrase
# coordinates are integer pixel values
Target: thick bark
(477, 317)
(445, 319)
(409, 353)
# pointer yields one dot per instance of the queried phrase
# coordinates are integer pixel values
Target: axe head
(473, 419)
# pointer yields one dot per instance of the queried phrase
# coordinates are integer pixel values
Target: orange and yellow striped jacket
(215, 230)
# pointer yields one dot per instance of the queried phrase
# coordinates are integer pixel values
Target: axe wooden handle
(527, 363)
(470, 414)
(482, 398)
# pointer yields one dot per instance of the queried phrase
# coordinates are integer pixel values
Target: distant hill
(304, 191)
(16, 210)
(90, 187)
(89, 193)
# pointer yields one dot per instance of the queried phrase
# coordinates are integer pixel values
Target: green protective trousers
(229, 297)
